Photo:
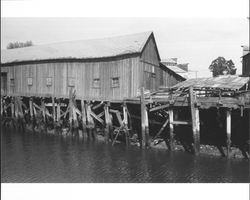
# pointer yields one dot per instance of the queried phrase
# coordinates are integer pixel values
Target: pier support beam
(53, 110)
(2, 102)
(43, 109)
(228, 112)
(171, 129)
(12, 108)
(195, 121)
(125, 121)
(31, 112)
(91, 124)
(84, 119)
(144, 122)
(107, 121)
(58, 111)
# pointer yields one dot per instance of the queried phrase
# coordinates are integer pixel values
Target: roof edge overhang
(165, 68)
(71, 60)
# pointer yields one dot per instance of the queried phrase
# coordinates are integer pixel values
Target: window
(30, 81)
(71, 82)
(115, 82)
(49, 81)
(96, 83)
(12, 82)
(153, 69)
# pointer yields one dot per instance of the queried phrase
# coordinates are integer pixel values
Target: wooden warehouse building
(100, 69)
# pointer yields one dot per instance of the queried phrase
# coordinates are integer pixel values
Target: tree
(13, 45)
(221, 66)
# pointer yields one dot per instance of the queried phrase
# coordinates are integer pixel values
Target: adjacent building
(246, 61)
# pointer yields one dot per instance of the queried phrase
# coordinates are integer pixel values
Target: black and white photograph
(125, 96)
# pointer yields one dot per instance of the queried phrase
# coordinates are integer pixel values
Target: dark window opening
(115, 82)
(96, 83)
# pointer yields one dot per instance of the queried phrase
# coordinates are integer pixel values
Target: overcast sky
(195, 40)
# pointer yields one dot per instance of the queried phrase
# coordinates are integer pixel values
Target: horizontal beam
(181, 123)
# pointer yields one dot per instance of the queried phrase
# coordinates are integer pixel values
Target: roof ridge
(90, 39)
(80, 49)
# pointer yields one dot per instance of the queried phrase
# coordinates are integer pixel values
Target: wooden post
(58, 111)
(43, 110)
(107, 121)
(91, 123)
(197, 134)
(2, 106)
(195, 122)
(125, 121)
(31, 108)
(84, 119)
(16, 107)
(146, 126)
(74, 116)
(53, 109)
(228, 132)
(12, 108)
(144, 121)
(31, 112)
(171, 129)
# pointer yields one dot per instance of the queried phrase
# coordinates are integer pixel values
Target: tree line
(13, 45)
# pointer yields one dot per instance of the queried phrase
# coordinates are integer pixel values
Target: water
(32, 157)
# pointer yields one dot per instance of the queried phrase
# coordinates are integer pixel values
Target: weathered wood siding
(77, 75)
(133, 72)
(168, 79)
(149, 67)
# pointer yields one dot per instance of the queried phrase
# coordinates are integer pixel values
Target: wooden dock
(165, 109)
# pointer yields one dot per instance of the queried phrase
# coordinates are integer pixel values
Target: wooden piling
(84, 119)
(58, 111)
(125, 121)
(43, 108)
(31, 112)
(2, 102)
(228, 113)
(171, 129)
(144, 122)
(107, 122)
(16, 107)
(91, 123)
(53, 109)
(195, 121)
(12, 108)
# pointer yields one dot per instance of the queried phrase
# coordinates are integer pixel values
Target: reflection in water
(32, 157)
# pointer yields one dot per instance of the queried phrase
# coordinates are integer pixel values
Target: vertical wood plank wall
(149, 60)
(82, 75)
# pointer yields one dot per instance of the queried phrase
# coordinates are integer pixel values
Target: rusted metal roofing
(227, 82)
(83, 49)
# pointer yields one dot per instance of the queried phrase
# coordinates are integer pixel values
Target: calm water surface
(32, 157)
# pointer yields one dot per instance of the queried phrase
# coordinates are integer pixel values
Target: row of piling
(114, 119)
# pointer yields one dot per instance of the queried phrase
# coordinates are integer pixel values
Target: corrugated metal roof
(83, 49)
(176, 69)
(228, 82)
